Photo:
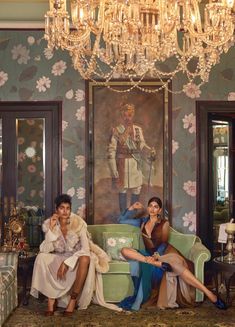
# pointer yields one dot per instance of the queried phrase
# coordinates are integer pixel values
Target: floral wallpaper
(30, 71)
(30, 186)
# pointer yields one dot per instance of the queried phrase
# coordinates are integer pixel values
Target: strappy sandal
(50, 313)
(73, 296)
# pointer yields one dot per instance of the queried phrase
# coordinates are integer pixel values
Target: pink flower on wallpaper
(81, 113)
(190, 123)
(3, 78)
(81, 192)
(21, 54)
(79, 95)
(64, 125)
(48, 53)
(59, 68)
(190, 221)
(41, 194)
(71, 191)
(21, 156)
(20, 189)
(31, 168)
(64, 164)
(30, 122)
(20, 140)
(175, 146)
(31, 40)
(192, 90)
(43, 84)
(190, 188)
(69, 94)
(231, 96)
(82, 211)
(80, 161)
(32, 193)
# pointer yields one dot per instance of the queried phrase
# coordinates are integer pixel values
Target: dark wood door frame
(52, 112)
(204, 192)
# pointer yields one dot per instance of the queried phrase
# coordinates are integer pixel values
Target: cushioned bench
(117, 282)
(8, 284)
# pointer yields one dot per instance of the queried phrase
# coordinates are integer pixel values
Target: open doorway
(216, 169)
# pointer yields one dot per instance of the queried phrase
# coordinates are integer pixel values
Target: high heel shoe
(166, 267)
(73, 296)
(220, 304)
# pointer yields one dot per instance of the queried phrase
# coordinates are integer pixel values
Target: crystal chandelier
(134, 39)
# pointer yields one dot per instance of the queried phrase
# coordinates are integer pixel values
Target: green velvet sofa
(8, 284)
(117, 282)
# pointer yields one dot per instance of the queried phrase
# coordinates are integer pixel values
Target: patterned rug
(204, 315)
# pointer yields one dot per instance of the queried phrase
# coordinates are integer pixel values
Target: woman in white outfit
(62, 265)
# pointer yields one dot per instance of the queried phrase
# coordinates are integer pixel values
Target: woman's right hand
(53, 220)
(136, 205)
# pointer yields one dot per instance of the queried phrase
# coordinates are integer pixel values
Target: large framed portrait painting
(127, 147)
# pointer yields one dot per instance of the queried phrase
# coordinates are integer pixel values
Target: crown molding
(23, 13)
(14, 25)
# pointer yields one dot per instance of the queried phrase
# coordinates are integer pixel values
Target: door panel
(31, 156)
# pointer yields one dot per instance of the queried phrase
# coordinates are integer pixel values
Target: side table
(25, 270)
(228, 270)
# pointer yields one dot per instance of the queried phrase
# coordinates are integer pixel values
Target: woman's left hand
(150, 260)
(61, 273)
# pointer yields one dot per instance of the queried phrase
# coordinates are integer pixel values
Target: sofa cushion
(182, 242)
(114, 242)
(96, 232)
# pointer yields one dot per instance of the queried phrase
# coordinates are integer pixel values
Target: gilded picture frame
(110, 186)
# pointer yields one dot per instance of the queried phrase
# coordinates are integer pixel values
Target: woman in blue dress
(164, 278)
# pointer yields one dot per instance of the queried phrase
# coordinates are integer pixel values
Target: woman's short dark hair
(63, 198)
(157, 200)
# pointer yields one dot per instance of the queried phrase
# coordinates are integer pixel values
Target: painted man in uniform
(125, 154)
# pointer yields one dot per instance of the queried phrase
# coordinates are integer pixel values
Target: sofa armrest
(199, 254)
(9, 259)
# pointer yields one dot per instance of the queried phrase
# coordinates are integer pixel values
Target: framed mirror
(127, 144)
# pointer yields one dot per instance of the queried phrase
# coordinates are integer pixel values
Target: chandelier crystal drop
(134, 39)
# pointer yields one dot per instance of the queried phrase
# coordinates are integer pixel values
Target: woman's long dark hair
(157, 200)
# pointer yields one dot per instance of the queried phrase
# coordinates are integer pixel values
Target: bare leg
(81, 274)
(187, 276)
(190, 279)
(50, 304)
